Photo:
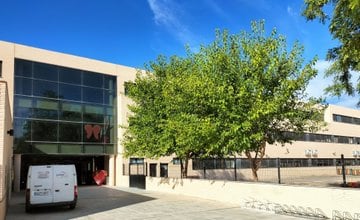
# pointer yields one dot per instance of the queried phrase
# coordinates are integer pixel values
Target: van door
(64, 180)
(41, 184)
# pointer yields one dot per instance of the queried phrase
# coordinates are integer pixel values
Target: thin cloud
(291, 11)
(167, 14)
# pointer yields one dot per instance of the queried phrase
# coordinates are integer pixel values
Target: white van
(49, 185)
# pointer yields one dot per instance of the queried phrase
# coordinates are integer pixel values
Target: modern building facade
(64, 109)
(68, 109)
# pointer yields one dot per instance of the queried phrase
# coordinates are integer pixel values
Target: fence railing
(314, 171)
(304, 171)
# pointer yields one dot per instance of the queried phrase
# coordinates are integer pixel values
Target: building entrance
(86, 166)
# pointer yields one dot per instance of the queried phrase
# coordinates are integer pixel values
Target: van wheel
(72, 206)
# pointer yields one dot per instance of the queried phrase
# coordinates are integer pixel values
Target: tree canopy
(345, 27)
(231, 97)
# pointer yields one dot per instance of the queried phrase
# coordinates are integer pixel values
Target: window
(136, 160)
(153, 169)
(0, 68)
(163, 170)
(93, 113)
(46, 109)
(92, 79)
(63, 110)
(70, 132)
(23, 86)
(126, 87)
(23, 107)
(109, 97)
(70, 111)
(346, 119)
(22, 134)
(45, 89)
(109, 82)
(69, 92)
(93, 133)
(44, 131)
(92, 95)
(45, 71)
(176, 161)
(23, 68)
(68, 75)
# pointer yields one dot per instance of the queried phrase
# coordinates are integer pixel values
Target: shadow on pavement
(92, 199)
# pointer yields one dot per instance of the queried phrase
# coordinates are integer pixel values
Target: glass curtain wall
(59, 110)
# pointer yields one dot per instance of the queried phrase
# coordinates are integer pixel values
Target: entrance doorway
(86, 166)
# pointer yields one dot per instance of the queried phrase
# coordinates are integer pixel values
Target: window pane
(109, 82)
(109, 97)
(107, 134)
(23, 86)
(93, 133)
(23, 107)
(69, 75)
(45, 71)
(44, 131)
(92, 95)
(45, 89)
(71, 111)
(109, 116)
(46, 109)
(93, 113)
(23, 68)
(163, 170)
(69, 92)
(70, 132)
(93, 79)
(22, 134)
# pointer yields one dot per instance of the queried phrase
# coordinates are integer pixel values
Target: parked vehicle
(51, 185)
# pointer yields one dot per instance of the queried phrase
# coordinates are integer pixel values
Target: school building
(60, 108)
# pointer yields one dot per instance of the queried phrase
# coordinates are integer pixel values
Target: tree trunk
(184, 167)
(255, 162)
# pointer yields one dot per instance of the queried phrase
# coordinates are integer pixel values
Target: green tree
(345, 27)
(232, 97)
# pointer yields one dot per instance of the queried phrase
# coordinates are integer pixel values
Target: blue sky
(135, 32)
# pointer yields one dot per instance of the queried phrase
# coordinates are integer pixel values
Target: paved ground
(128, 203)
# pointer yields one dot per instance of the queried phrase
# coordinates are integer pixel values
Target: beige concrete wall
(5, 149)
(239, 193)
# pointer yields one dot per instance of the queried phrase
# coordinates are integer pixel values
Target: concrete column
(111, 171)
(118, 169)
(17, 173)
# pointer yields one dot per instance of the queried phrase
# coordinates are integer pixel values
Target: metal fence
(311, 171)
(303, 171)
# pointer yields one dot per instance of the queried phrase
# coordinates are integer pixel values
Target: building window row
(244, 163)
(53, 73)
(346, 119)
(327, 138)
(36, 108)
